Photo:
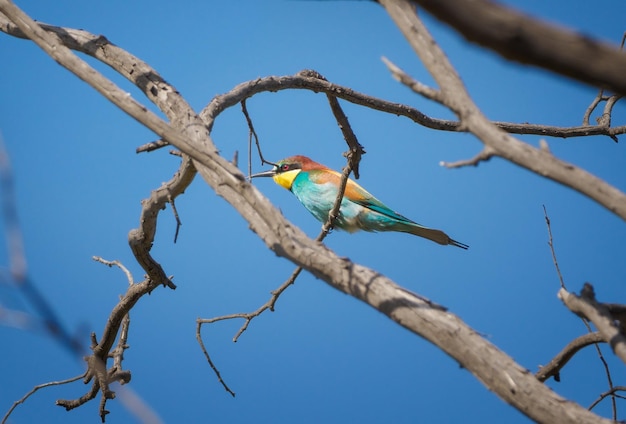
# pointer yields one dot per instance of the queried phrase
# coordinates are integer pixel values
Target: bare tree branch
(605, 119)
(554, 367)
(562, 356)
(484, 155)
(612, 392)
(457, 99)
(518, 37)
(138, 72)
(273, 84)
(353, 156)
(594, 103)
(491, 366)
(587, 307)
(118, 264)
(413, 84)
(355, 150)
(607, 370)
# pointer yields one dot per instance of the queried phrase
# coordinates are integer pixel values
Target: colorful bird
(316, 187)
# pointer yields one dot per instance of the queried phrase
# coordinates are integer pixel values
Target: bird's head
(286, 170)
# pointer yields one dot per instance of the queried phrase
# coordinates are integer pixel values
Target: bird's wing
(357, 194)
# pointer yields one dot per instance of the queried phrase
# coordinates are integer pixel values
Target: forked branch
(599, 314)
(353, 158)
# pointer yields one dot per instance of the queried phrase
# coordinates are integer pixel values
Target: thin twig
(40, 386)
(252, 134)
(122, 344)
(116, 373)
(247, 317)
(129, 275)
(484, 155)
(333, 215)
(153, 145)
(594, 103)
(199, 323)
(354, 147)
(604, 120)
(551, 244)
(413, 84)
(607, 371)
(612, 393)
(176, 216)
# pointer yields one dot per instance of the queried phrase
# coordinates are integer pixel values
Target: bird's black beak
(269, 173)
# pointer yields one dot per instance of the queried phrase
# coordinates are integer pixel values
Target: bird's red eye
(284, 167)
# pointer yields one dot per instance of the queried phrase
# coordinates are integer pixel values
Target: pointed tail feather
(437, 236)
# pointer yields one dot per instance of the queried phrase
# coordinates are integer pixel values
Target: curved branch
(298, 81)
(521, 38)
(553, 368)
(140, 239)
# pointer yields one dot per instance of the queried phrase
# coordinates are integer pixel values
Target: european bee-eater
(316, 187)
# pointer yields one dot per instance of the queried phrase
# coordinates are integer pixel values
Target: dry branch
(523, 39)
(300, 82)
(554, 367)
(456, 98)
(353, 155)
(140, 240)
(587, 307)
(561, 359)
(417, 87)
(612, 392)
(142, 75)
(186, 132)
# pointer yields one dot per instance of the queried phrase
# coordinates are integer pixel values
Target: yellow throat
(285, 179)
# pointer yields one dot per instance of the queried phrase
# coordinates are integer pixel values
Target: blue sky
(321, 356)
